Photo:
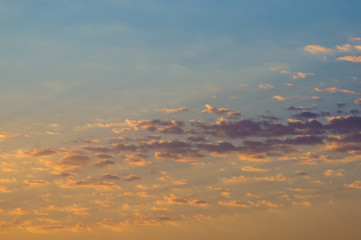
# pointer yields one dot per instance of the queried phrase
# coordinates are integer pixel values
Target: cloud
(131, 177)
(199, 203)
(100, 149)
(344, 48)
(210, 109)
(104, 163)
(292, 108)
(35, 152)
(174, 110)
(344, 124)
(88, 183)
(239, 179)
(358, 101)
(136, 159)
(350, 59)
(103, 155)
(302, 203)
(317, 98)
(75, 209)
(8, 135)
(110, 176)
(255, 169)
(279, 98)
(331, 173)
(74, 160)
(243, 128)
(302, 75)
(16, 211)
(138, 219)
(355, 185)
(174, 182)
(8, 180)
(4, 189)
(231, 114)
(220, 147)
(266, 86)
(36, 182)
(301, 173)
(317, 49)
(253, 157)
(337, 90)
(268, 204)
(172, 199)
(233, 204)
(305, 115)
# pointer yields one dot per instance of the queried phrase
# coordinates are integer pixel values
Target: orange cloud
(233, 204)
(302, 75)
(255, 169)
(35, 152)
(355, 185)
(350, 59)
(266, 86)
(303, 203)
(88, 183)
(237, 179)
(337, 90)
(331, 173)
(75, 209)
(210, 109)
(174, 110)
(317, 49)
(279, 98)
(344, 48)
(36, 182)
(4, 189)
(199, 203)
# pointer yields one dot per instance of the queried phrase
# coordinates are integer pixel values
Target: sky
(180, 119)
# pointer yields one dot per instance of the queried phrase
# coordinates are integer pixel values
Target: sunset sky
(155, 119)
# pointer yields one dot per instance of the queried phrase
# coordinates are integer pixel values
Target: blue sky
(140, 118)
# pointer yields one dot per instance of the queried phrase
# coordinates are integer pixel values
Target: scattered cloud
(174, 110)
(36, 182)
(88, 183)
(279, 98)
(344, 48)
(266, 86)
(337, 90)
(131, 177)
(8, 135)
(211, 109)
(233, 204)
(302, 75)
(355, 185)
(355, 59)
(255, 169)
(358, 101)
(317, 49)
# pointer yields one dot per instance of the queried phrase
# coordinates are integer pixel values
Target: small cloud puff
(302, 75)
(355, 185)
(317, 49)
(211, 109)
(255, 169)
(174, 110)
(8, 135)
(279, 98)
(233, 204)
(266, 86)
